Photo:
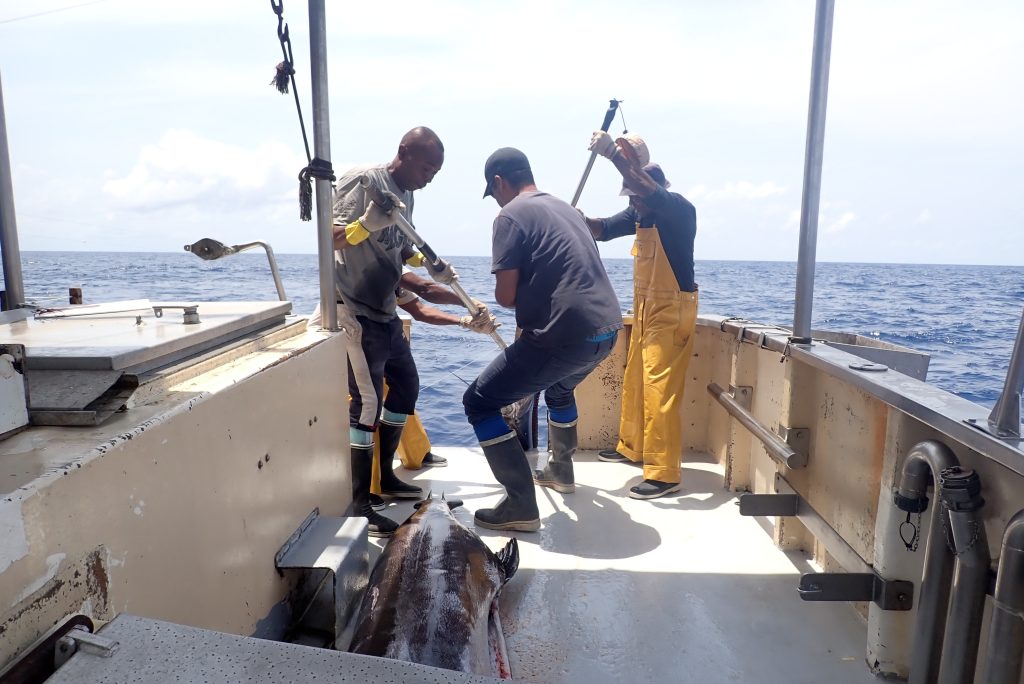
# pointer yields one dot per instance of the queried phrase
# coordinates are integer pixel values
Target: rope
(284, 73)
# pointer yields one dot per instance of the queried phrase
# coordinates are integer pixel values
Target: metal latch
(80, 638)
(190, 312)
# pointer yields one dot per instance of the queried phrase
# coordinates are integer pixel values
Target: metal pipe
(322, 150)
(209, 249)
(924, 461)
(813, 157)
(9, 250)
(961, 497)
(1003, 658)
(773, 444)
(1004, 421)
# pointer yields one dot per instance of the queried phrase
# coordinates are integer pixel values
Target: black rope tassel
(282, 76)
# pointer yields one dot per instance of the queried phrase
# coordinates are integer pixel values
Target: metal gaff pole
(322, 150)
(613, 105)
(813, 157)
(382, 200)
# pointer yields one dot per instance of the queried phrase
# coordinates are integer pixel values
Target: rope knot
(319, 169)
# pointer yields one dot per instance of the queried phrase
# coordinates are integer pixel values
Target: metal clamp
(190, 312)
(863, 583)
(80, 638)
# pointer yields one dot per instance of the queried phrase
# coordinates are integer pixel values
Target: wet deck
(678, 589)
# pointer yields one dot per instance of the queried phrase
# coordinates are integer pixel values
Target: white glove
(446, 275)
(602, 144)
(375, 219)
(483, 322)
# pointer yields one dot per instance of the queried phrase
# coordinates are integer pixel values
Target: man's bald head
(420, 156)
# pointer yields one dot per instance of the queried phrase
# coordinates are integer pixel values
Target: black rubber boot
(362, 468)
(558, 473)
(518, 510)
(389, 436)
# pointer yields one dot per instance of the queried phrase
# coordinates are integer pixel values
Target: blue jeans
(523, 369)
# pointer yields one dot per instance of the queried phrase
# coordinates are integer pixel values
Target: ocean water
(965, 317)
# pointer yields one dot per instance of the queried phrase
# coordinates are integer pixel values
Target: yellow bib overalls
(660, 346)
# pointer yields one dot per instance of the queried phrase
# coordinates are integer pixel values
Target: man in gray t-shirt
(547, 267)
(369, 254)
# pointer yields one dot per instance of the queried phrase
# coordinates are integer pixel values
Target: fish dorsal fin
(508, 558)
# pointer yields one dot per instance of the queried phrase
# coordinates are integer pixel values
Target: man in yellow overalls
(664, 315)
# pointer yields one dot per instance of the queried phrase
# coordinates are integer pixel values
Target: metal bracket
(866, 586)
(743, 394)
(79, 638)
(769, 504)
(190, 312)
(797, 438)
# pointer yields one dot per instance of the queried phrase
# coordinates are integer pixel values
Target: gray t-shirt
(366, 275)
(564, 295)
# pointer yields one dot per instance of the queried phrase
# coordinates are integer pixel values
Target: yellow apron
(412, 449)
(660, 346)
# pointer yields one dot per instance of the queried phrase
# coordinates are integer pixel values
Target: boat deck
(678, 589)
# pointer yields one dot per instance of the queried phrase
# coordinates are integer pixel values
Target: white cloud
(840, 224)
(924, 217)
(184, 167)
(740, 190)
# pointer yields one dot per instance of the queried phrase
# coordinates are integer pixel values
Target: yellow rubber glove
(416, 260)
(355, 233)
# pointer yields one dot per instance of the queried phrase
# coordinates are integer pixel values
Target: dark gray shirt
(676, 221)
(366, 275)
(564, 295)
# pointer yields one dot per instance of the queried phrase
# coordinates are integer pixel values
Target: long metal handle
(433, 261)
(613, 106)
(773, 444)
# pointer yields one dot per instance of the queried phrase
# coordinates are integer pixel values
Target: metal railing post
(322, 150)
(813, 158)
(1004, 421)
(11, 253)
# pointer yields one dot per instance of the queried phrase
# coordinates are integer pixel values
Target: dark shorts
(379, 352)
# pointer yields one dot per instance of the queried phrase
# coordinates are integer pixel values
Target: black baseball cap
(504, 162)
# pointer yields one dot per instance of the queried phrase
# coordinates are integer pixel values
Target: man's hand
(442, 272)
(601, 143)
(375, 219)
(482, 322)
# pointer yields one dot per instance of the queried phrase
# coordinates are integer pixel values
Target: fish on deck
(430, 596)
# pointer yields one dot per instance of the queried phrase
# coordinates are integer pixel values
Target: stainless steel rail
(209, 249)
(1003, 658)
(776, 447)
(924, 462)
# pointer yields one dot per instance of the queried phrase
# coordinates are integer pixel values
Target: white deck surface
(679, 589)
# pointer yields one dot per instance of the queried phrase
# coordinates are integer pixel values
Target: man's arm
(429, 290)
(506, 282)
(428, 314)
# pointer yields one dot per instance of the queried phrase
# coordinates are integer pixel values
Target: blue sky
(144, 126)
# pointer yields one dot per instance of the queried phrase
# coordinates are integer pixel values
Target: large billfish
(430, 595)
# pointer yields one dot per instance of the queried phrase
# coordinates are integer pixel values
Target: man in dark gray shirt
(547, 267)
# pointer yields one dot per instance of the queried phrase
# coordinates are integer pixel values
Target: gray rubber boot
(390, 435)
(362, 469)
(558, 473)
(518, 510)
